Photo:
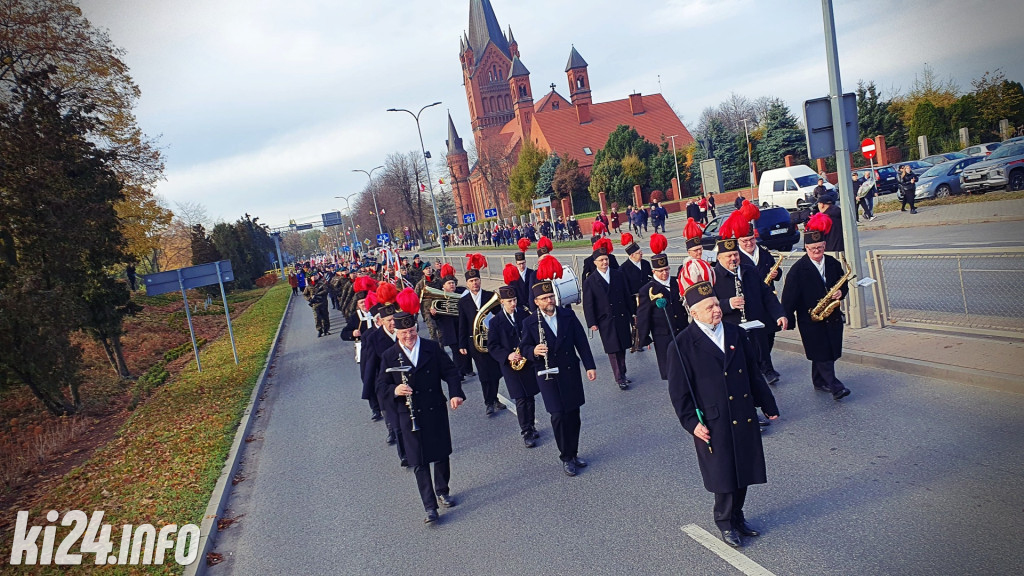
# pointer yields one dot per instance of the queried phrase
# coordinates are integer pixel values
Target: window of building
(554, 105)
(580, 83)
(587, 151)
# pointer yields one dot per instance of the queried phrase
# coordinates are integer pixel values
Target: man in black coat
(636, 270)
(489, 371)
(609, 308)
(529, 278)
(761, 259)
(374, 345)
(755, 302)
(359, 324)
(806, 284)
(588, 262)
(716, 371)
(503, 338)
(834, 238)
(651, 322)
(418, 397)
(563, 338)
(448, 326)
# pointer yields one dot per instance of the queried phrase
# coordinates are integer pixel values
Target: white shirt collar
(666, 282)
(392, 335)
(716, 334)
(755, 256)
(414, 354)
(607, 275)
(635, 263)
(819, 265)
(552, 322)
(476, 297)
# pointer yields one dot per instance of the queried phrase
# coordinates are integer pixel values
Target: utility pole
(426, 164)
(376, 210)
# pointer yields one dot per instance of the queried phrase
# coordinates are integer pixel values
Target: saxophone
(778, 262)
(826, 306)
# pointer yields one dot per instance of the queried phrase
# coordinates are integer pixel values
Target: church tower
(522, 96)
(486, 56)
(579, 82)
(458, 168)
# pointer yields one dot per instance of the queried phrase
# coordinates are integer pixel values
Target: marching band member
(695, 268)
(608, 308)
(472, 300)
(806, 285)
(448, 326)
(419, 403)
(651, 323)
(762, 260)
(503, 337)
(369, 394)
(588, 262)
(552, 338)
(379, 341)
(636, 270)
(528, 275)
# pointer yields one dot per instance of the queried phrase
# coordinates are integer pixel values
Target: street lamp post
(426, 164)
(679, 183)
(376, 210)
(750, 164)
(351, 219)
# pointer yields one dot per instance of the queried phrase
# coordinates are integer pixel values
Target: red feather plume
(549, 268)
(476, 261)
(510, 273)
(408, 301)
(735, 226)
(371, 300)
(750, 210)
(364, 284)
(386, 293)
(658, 243)
(626, 239)
(820, 222)
(598, 227)
(545, 242)
(604, 243)
(447, 270)
(692, 229)
(524, 244)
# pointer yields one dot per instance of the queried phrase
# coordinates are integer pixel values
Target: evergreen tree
(724, 147)
(875, 116)
(929, 121)
(782, 137)
(546, 174)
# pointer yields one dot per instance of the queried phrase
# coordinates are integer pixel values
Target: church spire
(484, 28)
(454, 142)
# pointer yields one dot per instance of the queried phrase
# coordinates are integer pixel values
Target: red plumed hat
(658, 243)
(408, 301)
(549, 268)
(386, 293)
(735, 226)
(510, 273)
(364, 284)
(476, 261)
(820, 222)
(750, 210)
(604, 243)
(692, 229)
(598, 228)
(524, 244)
(693, 271)
(371, 300)
(447, 270)
(545, 244)
(626, 239)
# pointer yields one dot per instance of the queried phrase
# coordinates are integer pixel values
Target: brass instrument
(479, 330)
(441, 302)
(518, 364)
(778, 263)
(826, 306)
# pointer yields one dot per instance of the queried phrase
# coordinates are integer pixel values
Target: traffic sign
(367, 241)
(383, 238)
(469, 218)
(867, 148)
(821, 141)
(490, 212)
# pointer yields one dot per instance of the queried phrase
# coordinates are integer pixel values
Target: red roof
(561, 131)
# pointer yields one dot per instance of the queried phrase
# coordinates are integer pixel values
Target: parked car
(886, 179)
(944, 157)
(1003, 168)
(776, 230)
(787, 187)
(943, 179)
(981, 149)
(916, 166)
(1013, 140)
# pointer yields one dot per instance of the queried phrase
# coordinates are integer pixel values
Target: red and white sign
(867, 148)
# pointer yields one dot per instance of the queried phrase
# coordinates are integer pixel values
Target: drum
(567, 288)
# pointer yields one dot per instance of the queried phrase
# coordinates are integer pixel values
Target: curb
(219, 497)
(921, 224)
(957, 374)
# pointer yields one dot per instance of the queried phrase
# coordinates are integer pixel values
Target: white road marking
(726, 552)
(509, 404)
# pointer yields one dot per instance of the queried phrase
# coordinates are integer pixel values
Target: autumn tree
(523, 179)
(997, 98)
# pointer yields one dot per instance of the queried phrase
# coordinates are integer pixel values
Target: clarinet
(543, 340)
(408, 399)
(739, 293)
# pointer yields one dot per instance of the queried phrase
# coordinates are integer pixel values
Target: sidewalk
(986, 362)
(950, 214)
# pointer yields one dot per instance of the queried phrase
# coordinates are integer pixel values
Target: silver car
(943, 180)
(981, 149)
(1003, 168)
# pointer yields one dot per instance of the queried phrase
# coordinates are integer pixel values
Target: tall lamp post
(376, 210)
(426, 164)
(351, 219)
(750, 163)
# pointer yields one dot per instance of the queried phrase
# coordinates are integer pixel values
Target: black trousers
(526, 411)
(374, 403)
(618, 362)
(462, 361)
(766, 354)
(430, 487)
(565, 426)
(729, 508)
(490, 390)
(823, 375)
(322, 318)
(908, 199)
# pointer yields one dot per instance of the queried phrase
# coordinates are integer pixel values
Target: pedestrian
(317, 297)
(130, 273)
(660, 326)
(807, 284)
(554, 339)
(503, 338)
(834, 239)
(615, 218)
(865, 197)
(711, 205)
(609, 310)
(637, 217)
(702, 204)
(738, 202)
(820, 190)
(713, 369)
(908, 189)
(422, 406)
(293, 281)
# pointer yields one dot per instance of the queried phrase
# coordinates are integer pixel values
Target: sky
(266, 106)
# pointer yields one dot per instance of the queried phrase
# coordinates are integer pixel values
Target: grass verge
(893, 205)
(162, 467)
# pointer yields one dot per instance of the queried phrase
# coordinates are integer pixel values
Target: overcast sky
(265, 106)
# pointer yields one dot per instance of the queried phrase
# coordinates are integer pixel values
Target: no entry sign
(867, 148)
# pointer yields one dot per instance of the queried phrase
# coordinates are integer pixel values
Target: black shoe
(732, 538)
(404, 463)
(446, 500)
(319, 333)
(627, 380)
(774, 374)
(763, 421)
(391, 439)
(903, 209)
(375, 416)
(579, 462)
(771, 378)
(470, 374)
(489, 410)
(841, 394)
(528, 441)
(431, 517)
(822, 388)
(500, 406)
(623, 385)
(534, 434)
(914, 211)
(569, 467)
(743, 528)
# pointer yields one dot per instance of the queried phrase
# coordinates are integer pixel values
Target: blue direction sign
(469, 218)
(490, 212)
(383, 238)
(345, 249)
(331, 219)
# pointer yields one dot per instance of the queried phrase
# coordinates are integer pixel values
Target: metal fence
(978, 291)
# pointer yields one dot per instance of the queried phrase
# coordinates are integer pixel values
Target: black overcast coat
(563, 391)
(760, 302)
(765, 261)
(823, 341)
(504, 337)
(487, 369)
(636, 277)
(610, 307)
(728, 388)
(652, 324)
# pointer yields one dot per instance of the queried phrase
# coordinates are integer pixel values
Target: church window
(579, 83)
(508, 103)
(587, 151)
(554, 105)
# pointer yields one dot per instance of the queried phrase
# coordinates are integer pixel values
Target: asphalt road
(906, 476)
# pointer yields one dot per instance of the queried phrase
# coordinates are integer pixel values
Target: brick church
(503, 114)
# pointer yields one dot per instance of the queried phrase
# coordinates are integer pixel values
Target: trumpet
(826, 306)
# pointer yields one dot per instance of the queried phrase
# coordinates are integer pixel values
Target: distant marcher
(908, 188)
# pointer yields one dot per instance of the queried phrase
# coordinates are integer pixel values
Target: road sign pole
(227, 313)
(188, 316)
(280, 261)
(851, 240)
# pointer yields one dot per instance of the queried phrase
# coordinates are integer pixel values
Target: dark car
(943, 179)
(776, 230)
(917, 167)
(935, 159)
(886, 179)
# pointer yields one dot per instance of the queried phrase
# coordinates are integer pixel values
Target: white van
(785, 186)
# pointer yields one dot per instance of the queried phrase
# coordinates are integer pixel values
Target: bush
(266, 280)
(657, 196)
